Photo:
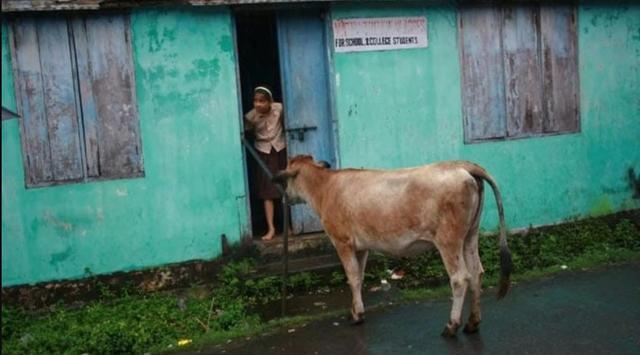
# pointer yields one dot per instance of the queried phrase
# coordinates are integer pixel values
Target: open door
(304, 69)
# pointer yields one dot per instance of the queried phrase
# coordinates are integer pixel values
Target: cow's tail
(505, 255)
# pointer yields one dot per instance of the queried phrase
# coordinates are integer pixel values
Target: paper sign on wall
(374, 34)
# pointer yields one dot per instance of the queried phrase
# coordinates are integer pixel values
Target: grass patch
(583, 262)
(136, 323)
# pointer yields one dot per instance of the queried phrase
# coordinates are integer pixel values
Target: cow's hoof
(470, 328)
(356, 321)
(449, 331)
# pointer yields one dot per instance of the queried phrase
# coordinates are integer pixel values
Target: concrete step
(300, 246)
(306, 252)
(312, 263)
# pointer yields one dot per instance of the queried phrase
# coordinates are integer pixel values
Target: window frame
(69, 18)
(467, 134)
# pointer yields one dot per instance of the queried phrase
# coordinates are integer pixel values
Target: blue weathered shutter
(522, 71)
(89, 112)
(560, 65)
(482, 73)
(46, 96)
(30, 100)
(105, 69)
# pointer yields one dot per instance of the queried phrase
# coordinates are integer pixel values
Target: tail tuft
(506, 267)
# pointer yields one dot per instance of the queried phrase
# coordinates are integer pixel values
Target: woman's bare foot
(269, 236)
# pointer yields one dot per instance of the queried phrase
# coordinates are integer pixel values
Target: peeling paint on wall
(226, 44)
(57, 258)
(51, 220)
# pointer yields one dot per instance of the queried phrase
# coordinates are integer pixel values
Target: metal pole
(285, 253)
(285, 232)
(262, 165)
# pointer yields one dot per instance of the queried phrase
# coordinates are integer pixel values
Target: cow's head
(299, 167)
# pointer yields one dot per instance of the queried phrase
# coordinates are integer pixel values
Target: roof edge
(77, 5)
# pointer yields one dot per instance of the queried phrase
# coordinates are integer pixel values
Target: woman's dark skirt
(275, 161)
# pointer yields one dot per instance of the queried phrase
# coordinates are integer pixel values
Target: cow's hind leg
(472, 259)
(354, 273)
(362, 262)
(451, 251)
(474, 265)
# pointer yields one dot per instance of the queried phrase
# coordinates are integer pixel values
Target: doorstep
(306, 252)
(311, 244)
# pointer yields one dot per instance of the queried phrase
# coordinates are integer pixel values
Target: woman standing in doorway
(266, 121)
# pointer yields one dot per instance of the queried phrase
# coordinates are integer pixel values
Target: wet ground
(588, 312)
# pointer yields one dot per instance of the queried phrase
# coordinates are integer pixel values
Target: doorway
(287, 49)
(259, 64)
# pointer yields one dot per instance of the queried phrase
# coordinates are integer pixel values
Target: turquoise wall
(393, 109)
(193, 190)
(8, 94)
(403, 108)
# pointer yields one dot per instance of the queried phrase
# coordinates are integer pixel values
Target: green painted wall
(403, 108)
(194, 185)
(8, 94)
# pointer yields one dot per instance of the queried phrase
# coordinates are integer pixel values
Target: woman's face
(261, 102)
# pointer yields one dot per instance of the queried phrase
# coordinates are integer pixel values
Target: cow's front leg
(354, 273)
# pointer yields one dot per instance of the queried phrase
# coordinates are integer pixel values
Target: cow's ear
(324, 164)
(282, 176)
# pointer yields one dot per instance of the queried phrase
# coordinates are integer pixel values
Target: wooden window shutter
(519, 71)
(522, 70)
(560, 66)
(107, 90)
(46, 98)
(482, 73)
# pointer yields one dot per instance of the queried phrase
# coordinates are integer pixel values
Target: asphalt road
(582, 312)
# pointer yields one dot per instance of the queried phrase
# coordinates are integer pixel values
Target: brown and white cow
(403, 212)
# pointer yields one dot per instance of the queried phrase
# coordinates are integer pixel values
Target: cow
(403, 212)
